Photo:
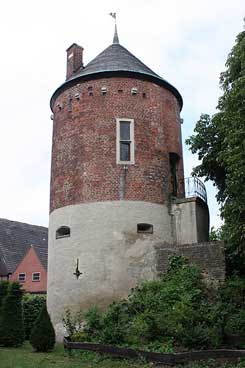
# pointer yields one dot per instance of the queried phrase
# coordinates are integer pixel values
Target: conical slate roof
(115, 58)
(116, 61)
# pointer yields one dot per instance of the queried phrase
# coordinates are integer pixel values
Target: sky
(185, 42)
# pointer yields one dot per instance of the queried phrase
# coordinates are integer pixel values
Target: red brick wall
(28, 265)
(84, 165)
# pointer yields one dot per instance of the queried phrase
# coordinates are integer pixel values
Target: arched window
(145, 228)
(63, 232)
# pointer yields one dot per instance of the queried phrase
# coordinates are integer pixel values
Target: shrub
(12, 326)
(159, 310)
(93, 326)
(42, 336)
(235, 324)
(72, 323)
(4, 285)
(114, 326)
(232, 293)
(178, 308)
(32, 305)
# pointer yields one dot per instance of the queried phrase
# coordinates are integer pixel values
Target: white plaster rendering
(191, 221)
(113, 257)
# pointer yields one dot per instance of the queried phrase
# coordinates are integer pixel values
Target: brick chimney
(74, 60)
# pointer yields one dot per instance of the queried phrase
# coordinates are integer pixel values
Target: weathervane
(114, 15)
(115, 38)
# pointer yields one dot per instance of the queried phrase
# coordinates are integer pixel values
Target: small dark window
(145, 228)
(144, 95)
(90, 88)
(62, 232)
(36, 276)
(90, 93)
(103, 91)
(22, 277)
(120, 91)
(134, 91)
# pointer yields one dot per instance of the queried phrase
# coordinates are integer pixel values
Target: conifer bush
(42, 336)
(12, 326)
(32, 305)
(3, 291)
(4, 285)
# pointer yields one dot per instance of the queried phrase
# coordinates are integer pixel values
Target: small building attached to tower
(117, 202)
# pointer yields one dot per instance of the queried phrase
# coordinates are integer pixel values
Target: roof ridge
(23, 223)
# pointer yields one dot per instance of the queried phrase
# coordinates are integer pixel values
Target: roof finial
(115, 38)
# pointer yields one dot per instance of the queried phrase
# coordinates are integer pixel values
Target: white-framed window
(22, 277)
(36, 276)
(125, 141)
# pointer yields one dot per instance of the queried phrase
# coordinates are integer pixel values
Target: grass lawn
(24, 357)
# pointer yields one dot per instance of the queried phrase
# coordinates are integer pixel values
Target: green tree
(12, 326)
(3, 291)
(219, 142)
(32, 305)
(4, 286)
(42, 336)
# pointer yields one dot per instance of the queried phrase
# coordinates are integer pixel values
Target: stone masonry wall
(209, 256)
(84, 167)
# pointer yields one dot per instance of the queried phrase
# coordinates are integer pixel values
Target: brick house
(23, 254)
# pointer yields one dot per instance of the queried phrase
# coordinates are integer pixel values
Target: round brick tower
(116, 164)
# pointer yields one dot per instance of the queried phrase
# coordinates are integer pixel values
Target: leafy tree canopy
(219, 142)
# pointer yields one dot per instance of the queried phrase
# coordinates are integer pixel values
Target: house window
(145, 228)
(36, 276)
(63, 232)
(125, 141)
(22, 277)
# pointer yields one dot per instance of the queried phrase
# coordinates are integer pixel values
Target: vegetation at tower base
(32, 306)
(11, 319)
(42, 336)
(177, 312)
(220, 143)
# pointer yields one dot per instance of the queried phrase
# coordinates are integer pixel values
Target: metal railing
(195, 188)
